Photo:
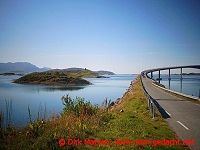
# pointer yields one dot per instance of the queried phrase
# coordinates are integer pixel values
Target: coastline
(129, 119)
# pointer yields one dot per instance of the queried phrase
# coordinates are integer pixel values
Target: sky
(124, 36)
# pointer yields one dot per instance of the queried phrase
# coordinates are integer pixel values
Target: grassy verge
(129, 119)
(135, 121)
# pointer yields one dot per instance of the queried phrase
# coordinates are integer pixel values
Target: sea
(45, 101)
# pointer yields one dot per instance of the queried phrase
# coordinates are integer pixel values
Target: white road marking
(168, 113)
(183, 125)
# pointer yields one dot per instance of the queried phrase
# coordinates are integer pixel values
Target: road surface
(183, 116)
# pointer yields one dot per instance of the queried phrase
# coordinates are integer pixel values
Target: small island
(57, 78)
(8, 74)
(102, 77)
(11, 74)
(60, 77)
(102, 72)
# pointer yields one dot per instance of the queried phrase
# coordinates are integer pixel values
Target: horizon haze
(123, 36)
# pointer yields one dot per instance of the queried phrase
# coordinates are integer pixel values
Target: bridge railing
(151, 102)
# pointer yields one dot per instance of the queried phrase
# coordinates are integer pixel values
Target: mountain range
(26, 67)
(20, 67)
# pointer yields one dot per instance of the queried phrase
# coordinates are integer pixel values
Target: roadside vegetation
(129, 119)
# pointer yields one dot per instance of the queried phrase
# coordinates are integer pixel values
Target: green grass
(82, 120)
(135, 121)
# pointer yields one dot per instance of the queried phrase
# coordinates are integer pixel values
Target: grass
(129, 119)
(135, 121)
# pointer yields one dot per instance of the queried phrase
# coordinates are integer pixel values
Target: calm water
(190, 84)
(40, 97)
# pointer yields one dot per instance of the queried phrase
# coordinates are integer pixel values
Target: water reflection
(188, 84)
(62, 88)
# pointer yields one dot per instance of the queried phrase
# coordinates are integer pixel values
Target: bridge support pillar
(169, 78)
(151, 75)
(169, 75)
(181, 73)
(159, 76)
(181, 86)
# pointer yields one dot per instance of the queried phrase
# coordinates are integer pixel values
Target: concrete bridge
(168, 68)
(182, 114)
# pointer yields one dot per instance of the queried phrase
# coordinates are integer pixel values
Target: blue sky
(124, 36)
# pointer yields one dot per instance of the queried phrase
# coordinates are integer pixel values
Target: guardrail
(182, 95)
(153, 104)
(150, 100)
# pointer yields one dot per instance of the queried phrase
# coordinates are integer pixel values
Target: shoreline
(129, 91)
(128, 119)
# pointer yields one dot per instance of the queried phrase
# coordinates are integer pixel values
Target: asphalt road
(184, 116)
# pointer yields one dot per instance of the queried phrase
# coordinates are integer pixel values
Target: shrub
(78, 106)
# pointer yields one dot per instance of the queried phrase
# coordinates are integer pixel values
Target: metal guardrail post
(150, 102)
(153, 111)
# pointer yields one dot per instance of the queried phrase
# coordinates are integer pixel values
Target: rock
(101, 77)
(112, 104)
(121, 110)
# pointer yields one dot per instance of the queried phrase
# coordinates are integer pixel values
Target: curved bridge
(182, 115)
(145, 72)
(168, 68)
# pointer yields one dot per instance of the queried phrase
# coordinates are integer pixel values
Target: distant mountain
(102, 72)
(25, 67)
(20, 67)
(191, 73)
